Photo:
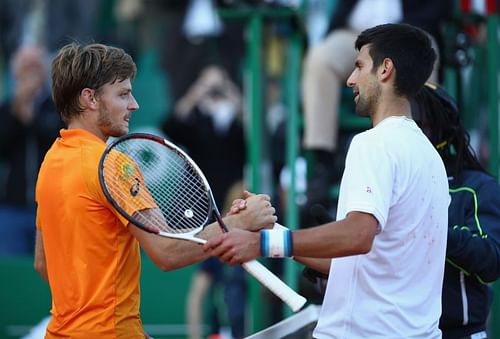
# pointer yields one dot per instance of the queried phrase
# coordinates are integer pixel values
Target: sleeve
(369, 177)
(474, 245)
(127, 185)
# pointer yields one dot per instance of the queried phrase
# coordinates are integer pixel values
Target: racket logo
(134, 189)
(188, 213)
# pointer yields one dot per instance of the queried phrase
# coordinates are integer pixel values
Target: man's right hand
(253, 213)
(239, 204)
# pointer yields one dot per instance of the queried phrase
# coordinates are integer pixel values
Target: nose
(350, 82)
(133, 105)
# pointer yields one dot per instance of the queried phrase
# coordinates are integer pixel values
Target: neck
(394, 107)
(83, 122)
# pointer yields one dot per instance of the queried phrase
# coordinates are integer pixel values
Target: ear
(87, 98)
(386, 70)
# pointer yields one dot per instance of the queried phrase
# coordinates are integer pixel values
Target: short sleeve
(125, 184)
(368, 179)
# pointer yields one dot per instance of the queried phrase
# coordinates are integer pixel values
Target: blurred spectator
(207, 122)
(329, 62)
(183, 59)
(29, 124)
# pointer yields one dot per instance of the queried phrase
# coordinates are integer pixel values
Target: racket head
(154, 184)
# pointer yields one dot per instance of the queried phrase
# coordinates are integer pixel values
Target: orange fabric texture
(93, 261)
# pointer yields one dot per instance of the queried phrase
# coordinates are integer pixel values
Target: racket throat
(184, 236)
(220, 221)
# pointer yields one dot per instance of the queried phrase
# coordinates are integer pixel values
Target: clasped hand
(242, 244)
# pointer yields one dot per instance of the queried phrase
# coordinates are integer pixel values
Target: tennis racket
(157, 186)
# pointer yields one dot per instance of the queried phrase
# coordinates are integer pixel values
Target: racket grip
(294, 300)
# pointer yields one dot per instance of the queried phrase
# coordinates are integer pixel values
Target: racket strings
(172, 222)
(145, 218)
(188, 188)
(172, 183)
(169, 222)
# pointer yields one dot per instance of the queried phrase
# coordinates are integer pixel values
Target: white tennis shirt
(394, 173)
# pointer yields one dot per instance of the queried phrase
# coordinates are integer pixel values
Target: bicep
(365, 226)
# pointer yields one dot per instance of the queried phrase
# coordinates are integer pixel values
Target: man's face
(115, 105)
(363, 81)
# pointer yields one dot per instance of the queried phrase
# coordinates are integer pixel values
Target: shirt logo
(368, 189)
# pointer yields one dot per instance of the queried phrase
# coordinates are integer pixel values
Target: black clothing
(472, 254)
(221, 157)
(23, 147)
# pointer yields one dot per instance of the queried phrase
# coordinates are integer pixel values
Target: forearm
(173, 254)
(179, 253)
(168, 253)
(319, 264)
(350, 236)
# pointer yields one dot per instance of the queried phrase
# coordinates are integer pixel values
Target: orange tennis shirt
(93, 261)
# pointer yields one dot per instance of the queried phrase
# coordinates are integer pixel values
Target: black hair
(408, 47)
(436, 113)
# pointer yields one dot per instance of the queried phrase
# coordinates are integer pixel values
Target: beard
(367, 104)
(108, 125)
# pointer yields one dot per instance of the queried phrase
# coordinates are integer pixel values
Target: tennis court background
(25, 298)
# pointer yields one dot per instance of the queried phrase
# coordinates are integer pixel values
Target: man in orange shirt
(87, 252)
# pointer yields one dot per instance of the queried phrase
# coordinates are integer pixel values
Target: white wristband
(279, 227)
(276, 243)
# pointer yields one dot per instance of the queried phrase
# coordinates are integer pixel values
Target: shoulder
(477, 180)
(380, 138)
(477, 187)
(92, 150)
(91, 153)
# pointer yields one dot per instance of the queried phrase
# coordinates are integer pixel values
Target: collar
(77, 133)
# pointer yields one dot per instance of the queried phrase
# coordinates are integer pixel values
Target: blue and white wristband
(276, 243)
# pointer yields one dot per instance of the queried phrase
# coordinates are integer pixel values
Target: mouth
(356, 96)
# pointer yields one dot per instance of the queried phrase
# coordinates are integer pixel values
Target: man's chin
(362, 113)
(119, 133)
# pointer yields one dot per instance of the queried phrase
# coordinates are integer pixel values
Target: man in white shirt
(327, 64)
(389, 240)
